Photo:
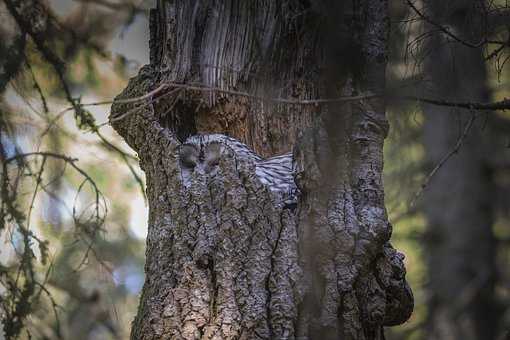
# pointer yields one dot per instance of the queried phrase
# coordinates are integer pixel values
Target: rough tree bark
(459, 202)
(225, 260)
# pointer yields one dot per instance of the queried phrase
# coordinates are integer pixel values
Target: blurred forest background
(73, 218)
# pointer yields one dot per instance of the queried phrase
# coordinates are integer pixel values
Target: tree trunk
(458, 202)
(225, 258)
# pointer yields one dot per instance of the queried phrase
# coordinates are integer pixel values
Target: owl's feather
(276, 172)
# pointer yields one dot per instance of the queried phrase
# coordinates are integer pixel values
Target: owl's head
(205, 156)
(200, 153)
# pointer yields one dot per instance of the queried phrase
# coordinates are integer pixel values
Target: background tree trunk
(459, 202)
(226, 260)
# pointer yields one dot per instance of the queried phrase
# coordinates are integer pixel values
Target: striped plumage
(275, 172)
(240, 149)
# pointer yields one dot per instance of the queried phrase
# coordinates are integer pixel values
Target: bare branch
(442, 28)
(501, 105)
(455, 149)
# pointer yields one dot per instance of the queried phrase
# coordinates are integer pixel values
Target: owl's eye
(212, 154)
(188, 156)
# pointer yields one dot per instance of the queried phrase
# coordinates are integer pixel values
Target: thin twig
(126, 101)
(149, 102)
(36, 190)
(494, 106)
(444, 29)
(20, 156)
(105, 102)
(453, 151)
(276, 100)
(499, 105)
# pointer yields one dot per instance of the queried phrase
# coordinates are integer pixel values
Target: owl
(202, 153)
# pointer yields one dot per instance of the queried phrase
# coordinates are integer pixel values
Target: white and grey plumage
(275, 172)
